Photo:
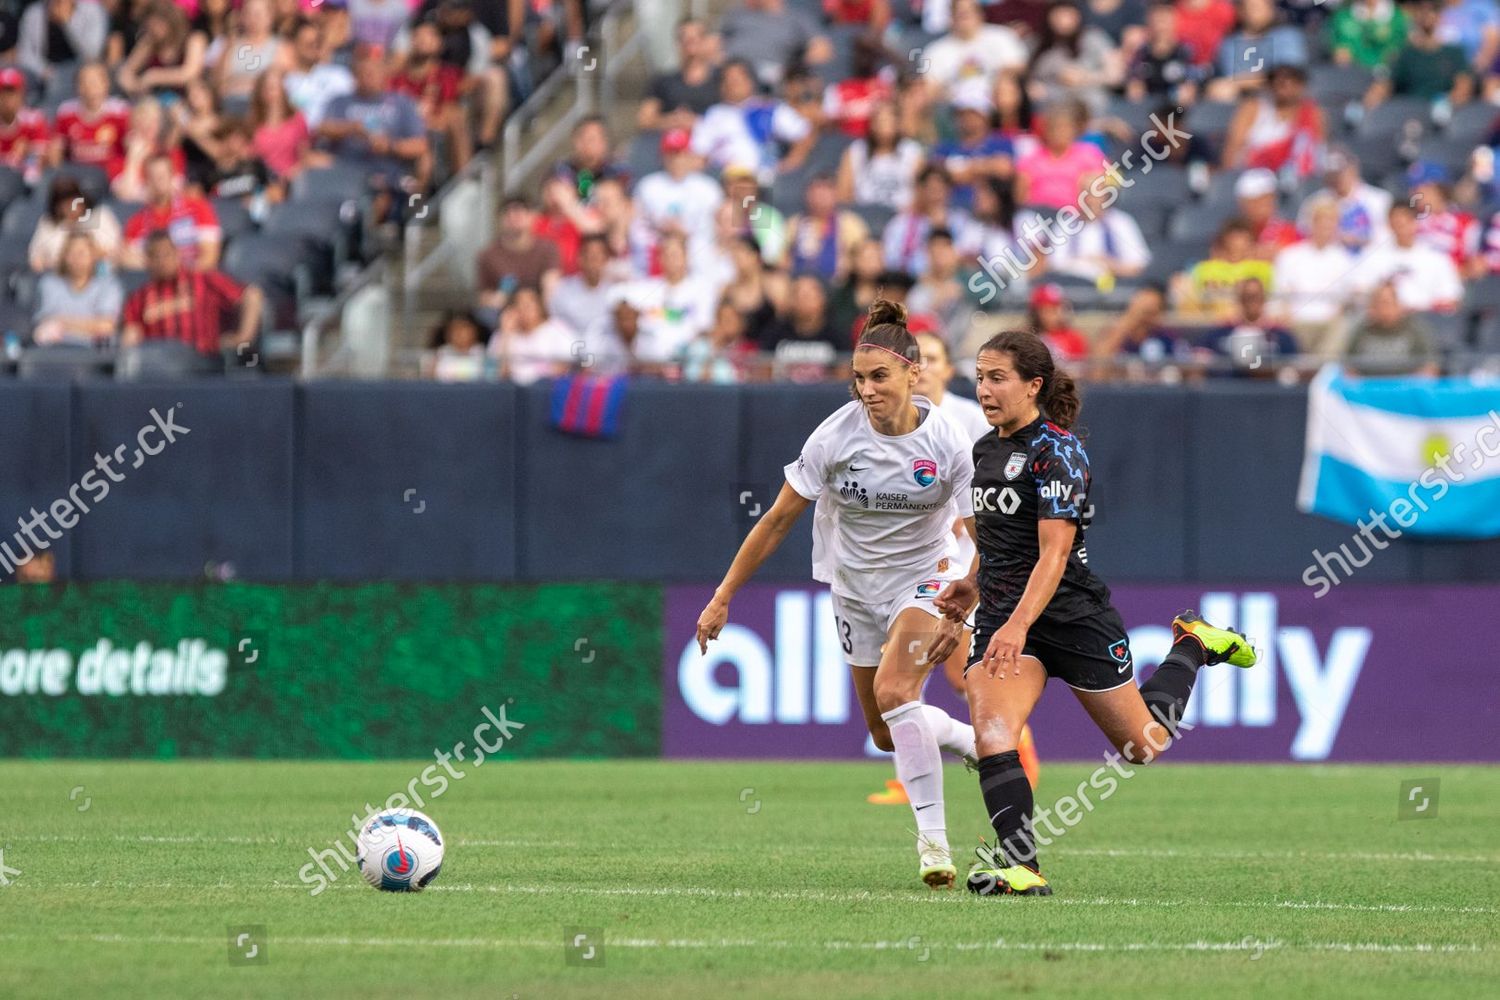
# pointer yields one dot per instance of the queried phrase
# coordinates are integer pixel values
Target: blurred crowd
(1193, 189)
(141, 140)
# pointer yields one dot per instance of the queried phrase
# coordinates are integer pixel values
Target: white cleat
(937, 869)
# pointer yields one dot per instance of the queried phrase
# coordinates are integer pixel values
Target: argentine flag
(1423, 452)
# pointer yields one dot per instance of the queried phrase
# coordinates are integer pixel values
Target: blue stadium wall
(417, 481)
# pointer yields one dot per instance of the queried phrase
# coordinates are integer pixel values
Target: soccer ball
(400, 850)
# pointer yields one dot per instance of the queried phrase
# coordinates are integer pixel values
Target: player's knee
(892, 694)
(993, 737)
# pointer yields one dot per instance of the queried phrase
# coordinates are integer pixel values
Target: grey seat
(789, 190)
(340, 180)
(130, 281)
(876, 216)
(827, 153)
(1487, 335)
(1198, 224)
(92, 179)
(63, 362)
(1474, 122)
(1453, 153)
(644, 155)
(1166, 184)
(1450, 331)
(12, 186)
(164, 359)
(1378, 156)
(1390, 119)
(1344, 83)
(1211, 118)
(1483, 295)
(234, 217)
(21, 218)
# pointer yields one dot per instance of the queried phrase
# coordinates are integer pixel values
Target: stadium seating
(307, 245)
(66, 362)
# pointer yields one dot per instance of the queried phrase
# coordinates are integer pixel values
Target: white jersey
(968, 415)
(885, 511)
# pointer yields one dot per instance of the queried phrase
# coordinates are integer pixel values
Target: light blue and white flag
(1423, 452)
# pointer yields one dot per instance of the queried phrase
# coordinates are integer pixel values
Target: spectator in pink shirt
(282, 139)
(1049, 177)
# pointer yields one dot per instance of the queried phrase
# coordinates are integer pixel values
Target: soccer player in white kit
(932, 382)
(887, 475)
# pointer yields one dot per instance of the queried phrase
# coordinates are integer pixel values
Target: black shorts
(1091, 653)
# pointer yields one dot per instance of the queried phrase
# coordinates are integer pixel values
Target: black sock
(1007, 798)
(1167, 692)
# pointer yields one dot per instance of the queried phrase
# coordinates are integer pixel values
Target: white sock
(919, 765)
(953, 736)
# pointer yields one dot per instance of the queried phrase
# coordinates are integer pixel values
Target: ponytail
(1058, 399)
(885, 328)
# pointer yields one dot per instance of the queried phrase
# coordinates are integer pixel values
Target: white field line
(1250, 944)
(796, 895)
(125, 838)
(1063, 852)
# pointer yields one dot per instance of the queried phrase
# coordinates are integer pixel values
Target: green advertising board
(341, 671)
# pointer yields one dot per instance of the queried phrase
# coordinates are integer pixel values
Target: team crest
(924, 471)
(943, 565)
(1120, 651)
(1015, 464)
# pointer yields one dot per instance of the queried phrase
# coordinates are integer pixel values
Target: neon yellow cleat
(1017, 880)
(1221, 644)
(991, 876)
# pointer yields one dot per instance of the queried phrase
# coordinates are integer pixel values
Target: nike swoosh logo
(920, 808)
(858, 468)
(1123, 668)
(998, 814)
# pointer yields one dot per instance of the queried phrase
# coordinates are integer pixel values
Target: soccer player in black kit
(1042, 612)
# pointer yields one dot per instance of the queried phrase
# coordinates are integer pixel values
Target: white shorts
(864, 628)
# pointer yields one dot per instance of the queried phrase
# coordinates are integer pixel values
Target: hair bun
(885, 311)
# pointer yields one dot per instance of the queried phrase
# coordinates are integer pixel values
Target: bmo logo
(1005, 500)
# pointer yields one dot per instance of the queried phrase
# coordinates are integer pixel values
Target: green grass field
(745, 880)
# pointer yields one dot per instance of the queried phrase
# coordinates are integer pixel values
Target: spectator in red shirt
(561, 221)
(188, 305)
(436, 87)
(1278, 126)
(848, 103)
(1051, 318)
(188, 219)
(1202, 25)
(1439, 225)
(1255, 190)
(874, 14)
(91, 127)
(23, 130)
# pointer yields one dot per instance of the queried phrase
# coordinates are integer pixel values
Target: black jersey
(1039, 473)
